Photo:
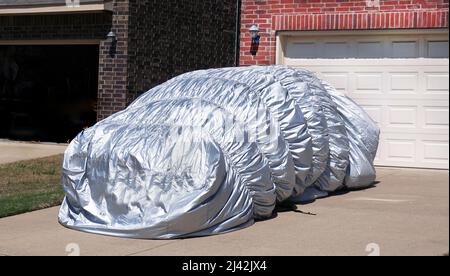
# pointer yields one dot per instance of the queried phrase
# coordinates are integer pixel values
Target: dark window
(47, 93)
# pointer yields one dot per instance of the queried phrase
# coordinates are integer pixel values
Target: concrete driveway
(17, 151)
(406, 214)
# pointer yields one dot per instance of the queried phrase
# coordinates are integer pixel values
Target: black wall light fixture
(254, 33)
(112, 39)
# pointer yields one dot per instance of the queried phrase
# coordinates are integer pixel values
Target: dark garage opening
(47, 93)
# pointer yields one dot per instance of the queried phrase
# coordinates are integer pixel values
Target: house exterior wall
(316, 15)
(157, 40)
(170, 37)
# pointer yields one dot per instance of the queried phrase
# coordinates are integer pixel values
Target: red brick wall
(314, 15)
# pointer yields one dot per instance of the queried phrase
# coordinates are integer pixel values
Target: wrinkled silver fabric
(363, 136)
(112, 187)
(311, 106)
(250, 109)
(239, 148)
(279, 103)
(211, 151)
(335, 172)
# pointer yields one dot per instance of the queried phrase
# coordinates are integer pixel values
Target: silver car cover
(210, 151)
(248, 108)
(279, 103)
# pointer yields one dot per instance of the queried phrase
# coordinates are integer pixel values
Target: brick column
(113, 70)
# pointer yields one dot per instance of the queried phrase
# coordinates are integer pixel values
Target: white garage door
(401, 79)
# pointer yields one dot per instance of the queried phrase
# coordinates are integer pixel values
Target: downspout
(238, 33)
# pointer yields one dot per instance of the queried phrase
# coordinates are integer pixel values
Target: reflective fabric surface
(363, 136)
(279, 103)
(210, 151)
(333, 176)
(311, 106)
(112, 187)
(248, 108)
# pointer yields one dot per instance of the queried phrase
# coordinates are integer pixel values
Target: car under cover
(211, 151)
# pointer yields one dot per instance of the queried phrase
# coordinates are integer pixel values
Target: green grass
(30, 185)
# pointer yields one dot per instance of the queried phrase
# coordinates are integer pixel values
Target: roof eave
(56, 9)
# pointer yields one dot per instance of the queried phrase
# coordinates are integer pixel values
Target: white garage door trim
(408, 97)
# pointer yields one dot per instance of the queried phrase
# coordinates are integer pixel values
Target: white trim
(56, 9)
(362, 32)
(279, 49)
(51, 42)
(368, 62)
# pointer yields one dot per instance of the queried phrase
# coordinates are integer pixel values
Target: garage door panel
(437, 49)
(339, 80)
(405, 49)
(302, 50)
(401, 81)
(408, 115)
(436, 151)
(412, 150)
(433, 151)
(369, 49)
(392, 84)
(402, 150)
(437, 82)
(402, 116)
(436, 117)
(368, 83)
